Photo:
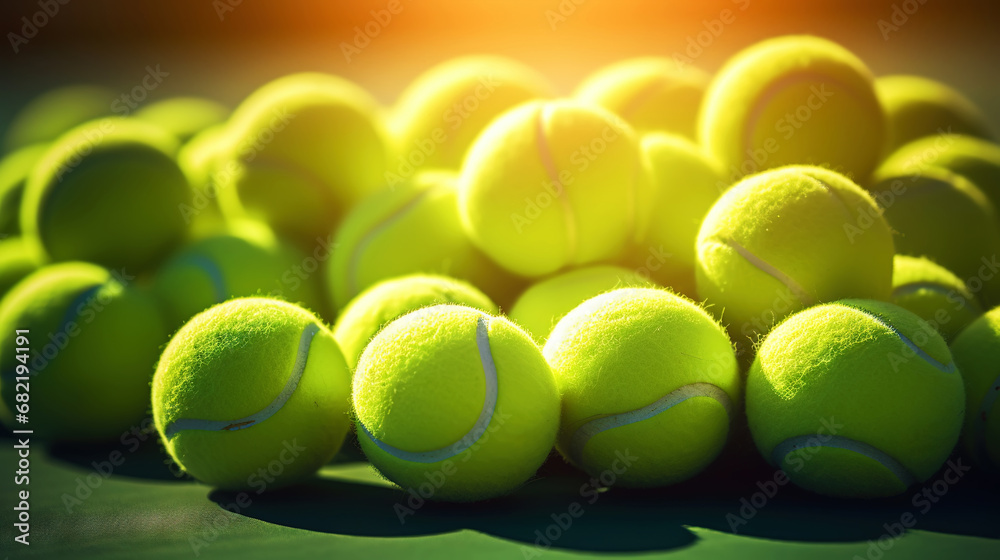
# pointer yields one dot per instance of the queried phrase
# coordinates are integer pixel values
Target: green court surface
(142, 510)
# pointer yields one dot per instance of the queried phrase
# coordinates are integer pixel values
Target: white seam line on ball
(545, 155)
(792, 444)
(835, 195)
(767, 268)
(301, 357)
(214, 275)
(946, 368)
(979, 426)
(355, 264)
(914, 287)
(478, 429)
(587, 431)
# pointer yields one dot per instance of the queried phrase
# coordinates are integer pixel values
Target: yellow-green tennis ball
(649, 386)
(787, 239)
(18, 259)
(388, 300)
(793, 100)
(975, 159)
(944, 217)
(542, 305)
(855, 398)
(455, 404)
(108, 192)
(252, 394)
(651, 93)
(303, 149)
(549, 185)
(413, 228)
(977, 353)
(934, 294)
(53, 113)
(916, 107)
(15, 168)
(222, 267)
(94, 341)
(199, 158)
(445, 108)
(184, 117)
(683, 184)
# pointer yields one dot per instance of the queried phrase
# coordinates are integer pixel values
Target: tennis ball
(222, 267)
(94, 340)
(855, 398)
(683, 184)
(414, 228)
(977, 353)
(51, 114)
(15, 168)
(916, 107)
(199, 158)
(787, 239)
(319, 138)
(390, 299)
(454, 404)
(542, 305)
(439, 115)
(18, 259)
(793, 100)
(944, 217)
(934, 294)
(184, 117)
(651, 93)
(107, 192)
(973, 158)
(252, 393)
(649, 386)
(549, 185)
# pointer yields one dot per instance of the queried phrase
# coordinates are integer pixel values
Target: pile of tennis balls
(638, 275)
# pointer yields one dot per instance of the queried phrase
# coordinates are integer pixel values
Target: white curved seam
(946, 368)
(360, 249)
(767, 268)
(914, 287)
(548, 162)
(792, 444)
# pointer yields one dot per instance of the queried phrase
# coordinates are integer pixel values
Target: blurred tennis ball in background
(199, 158)
(15, 168)
(653, 94)
(977, 353)
(916, 107)
(252, 393)
(94, 342)
(385, 301)
(793, 100)
(305, 147)
(51, 114)
(649, 386)
(550, 185)
(17, 260)
(184, 117)
(934, 294)
(543, 304)
(856, 398)
(108, 192)
(438, 116)
(413, 228)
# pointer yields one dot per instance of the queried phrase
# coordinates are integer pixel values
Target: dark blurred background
(223, 49)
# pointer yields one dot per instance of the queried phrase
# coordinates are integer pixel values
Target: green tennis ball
(199, 158)
(651, 93)
(414, 228)
(184, 117)
(916, 107)
(973, 158)
(15, 168)
(51, 114)
(108, 192)
(855, 398)
(944, 217)
(542, 305)
(793, 100)
(388, 300)
(439, 115)
(252, 393)
(649, 386)
(934, 294)
(549, 185)
(18, 259)
(222, 267)
(94, 340)
(683, 184)
(455, 404)
(319, 137)
(977, 353)
(787, 239)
